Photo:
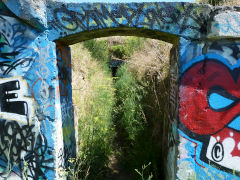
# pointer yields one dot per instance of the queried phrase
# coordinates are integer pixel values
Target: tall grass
(142, 108)
(98, 49)
(128, 111)
(126, 49)
(94, 97)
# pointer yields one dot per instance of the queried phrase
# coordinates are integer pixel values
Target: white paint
(226, 24)
(228, 161)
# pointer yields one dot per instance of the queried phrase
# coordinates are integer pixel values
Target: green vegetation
(141, 174)
(128, 111)
(95, 101)
(212, 2)
(123, 51)
(121, 117)
(98, 49)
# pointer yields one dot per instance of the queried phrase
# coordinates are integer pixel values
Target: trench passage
(120, 87)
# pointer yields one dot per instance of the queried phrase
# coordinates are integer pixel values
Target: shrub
(220, 2)
(125, 50)
(98, 49)
(144, 82)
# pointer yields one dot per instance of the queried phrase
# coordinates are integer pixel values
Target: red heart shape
(195, 112)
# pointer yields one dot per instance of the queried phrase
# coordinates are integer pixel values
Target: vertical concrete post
(172, 128)
(65, 93)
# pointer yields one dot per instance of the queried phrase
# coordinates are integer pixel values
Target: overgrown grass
(149, 69)
(128, 111)
(98, 49)
(94, 97)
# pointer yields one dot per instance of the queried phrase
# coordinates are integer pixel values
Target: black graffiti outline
(17, 44)
(163, 16)
(36, 157)
(9, 102)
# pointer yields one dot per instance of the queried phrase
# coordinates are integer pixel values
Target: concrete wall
(36, 115)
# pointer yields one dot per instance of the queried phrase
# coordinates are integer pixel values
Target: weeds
(220, 2)
(98, 49)
(141, 174)
(128, 110)
(125, 50)
(95, 102)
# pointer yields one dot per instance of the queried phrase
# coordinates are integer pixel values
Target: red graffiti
(195, 113)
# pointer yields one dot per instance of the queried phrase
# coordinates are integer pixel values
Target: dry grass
(153, 57)
(87, 78)
(223, 3)
(93, 97)
(91, 87)
(80, 67)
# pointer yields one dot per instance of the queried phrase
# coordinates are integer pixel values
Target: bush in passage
(125, 50)
(220, 2)
(136, 116)
(128, 110)
(98, 49)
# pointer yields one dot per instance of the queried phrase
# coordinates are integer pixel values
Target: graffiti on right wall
(209, 112)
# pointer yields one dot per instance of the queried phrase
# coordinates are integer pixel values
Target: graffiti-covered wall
(28, 81)
(37, 129)
(209, 121)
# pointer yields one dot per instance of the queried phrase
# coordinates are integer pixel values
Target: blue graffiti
(217, 101)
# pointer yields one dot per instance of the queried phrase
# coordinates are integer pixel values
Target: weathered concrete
(36, 114)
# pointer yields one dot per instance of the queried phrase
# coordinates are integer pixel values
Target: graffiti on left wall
(16, 56)
(21, 140)
(26, 151)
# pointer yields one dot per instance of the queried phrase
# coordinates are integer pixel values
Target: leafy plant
(212, 2)
(125, 50)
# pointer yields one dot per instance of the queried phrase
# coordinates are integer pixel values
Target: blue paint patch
(217, 101)
(235, 124)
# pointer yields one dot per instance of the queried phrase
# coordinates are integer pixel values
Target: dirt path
(117, 173)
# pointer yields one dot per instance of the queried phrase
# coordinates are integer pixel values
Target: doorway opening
(120, 87)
